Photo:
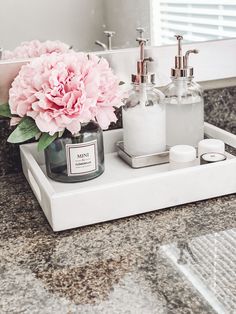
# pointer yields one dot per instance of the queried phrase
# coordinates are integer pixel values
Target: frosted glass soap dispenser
(143, 114)
(184, 103)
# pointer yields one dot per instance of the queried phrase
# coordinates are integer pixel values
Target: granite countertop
(178, 260)
(153, 263)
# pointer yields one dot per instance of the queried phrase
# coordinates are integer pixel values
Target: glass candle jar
(76, 158)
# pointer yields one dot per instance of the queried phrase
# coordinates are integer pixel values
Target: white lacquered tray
(122, 191)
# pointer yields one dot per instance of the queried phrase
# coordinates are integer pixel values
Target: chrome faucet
(99, 43)
(1, 51)
(109, 35)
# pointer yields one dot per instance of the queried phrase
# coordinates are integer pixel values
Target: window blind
(196, 20)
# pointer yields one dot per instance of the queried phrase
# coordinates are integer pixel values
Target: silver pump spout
(186, 57)
(182, 68)
(178, 58)
(142, 75)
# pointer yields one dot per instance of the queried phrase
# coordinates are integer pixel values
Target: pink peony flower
(61, 91)
(35, 48)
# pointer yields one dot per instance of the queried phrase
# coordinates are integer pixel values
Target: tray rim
(44, 181)
(51, 201)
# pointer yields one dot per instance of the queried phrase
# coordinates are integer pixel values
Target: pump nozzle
(179, 38)
(178, 58)
(186, 57)
(142, 43)
(181, 68)
(142, 75)
(140, 31)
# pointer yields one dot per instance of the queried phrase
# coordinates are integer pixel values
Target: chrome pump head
(181, 68)
(142, 75)
(140, 31)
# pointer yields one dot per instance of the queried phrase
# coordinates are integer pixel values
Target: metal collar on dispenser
(181, 68)
(142, 75)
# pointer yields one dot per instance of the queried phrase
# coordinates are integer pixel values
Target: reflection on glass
(209, 263)
(82, 23)
(208, 20)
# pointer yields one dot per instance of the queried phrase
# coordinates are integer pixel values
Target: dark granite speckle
(116, 267)
(9, 153)
(118, 123)
(220, 108)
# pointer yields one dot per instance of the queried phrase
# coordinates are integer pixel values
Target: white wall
(76, 22)
(123, 17)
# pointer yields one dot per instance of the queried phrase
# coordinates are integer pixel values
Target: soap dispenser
(184, 103)
(143, 115)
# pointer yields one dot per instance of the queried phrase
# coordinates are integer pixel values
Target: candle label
(82, 158)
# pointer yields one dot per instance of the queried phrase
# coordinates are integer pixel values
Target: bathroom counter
(178, 260)
(174, 261)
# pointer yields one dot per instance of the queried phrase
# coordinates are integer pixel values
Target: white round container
(182, 156)
(211, 146)
(209, 158)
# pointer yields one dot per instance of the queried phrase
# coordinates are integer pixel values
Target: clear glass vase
(76, 158)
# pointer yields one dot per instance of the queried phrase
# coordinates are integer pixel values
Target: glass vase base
(59, 174)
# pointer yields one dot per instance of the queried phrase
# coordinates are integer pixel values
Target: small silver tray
(142, 161)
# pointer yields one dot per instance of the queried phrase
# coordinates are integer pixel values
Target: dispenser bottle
(144, 112)
(184, 103)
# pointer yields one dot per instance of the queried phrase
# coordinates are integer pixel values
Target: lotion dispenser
(143, 114)
(184, 103)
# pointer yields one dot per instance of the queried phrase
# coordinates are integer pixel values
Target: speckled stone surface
(9, 153)
(114, 267)
(220, 108)
(174, 261)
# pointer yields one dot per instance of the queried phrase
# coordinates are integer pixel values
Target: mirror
(81, 23)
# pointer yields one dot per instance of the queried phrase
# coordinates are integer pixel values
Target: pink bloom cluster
(61, 91)
(35, 48)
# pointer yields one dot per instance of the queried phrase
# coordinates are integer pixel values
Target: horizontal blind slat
(198, 21)
(198, 2)
(198, 11)
(197, 29)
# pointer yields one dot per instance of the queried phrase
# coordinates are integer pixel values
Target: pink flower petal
(74, 127)
(64, 90)
(14, 121)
